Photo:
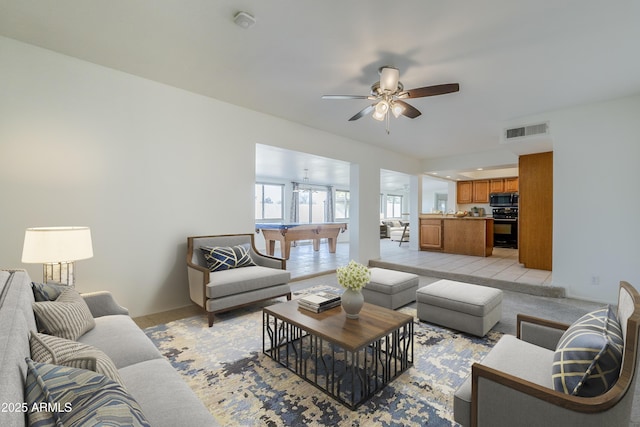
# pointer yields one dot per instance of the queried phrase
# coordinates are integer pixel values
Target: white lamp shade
(56, 244)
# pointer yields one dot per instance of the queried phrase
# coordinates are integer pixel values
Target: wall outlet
(595, 280)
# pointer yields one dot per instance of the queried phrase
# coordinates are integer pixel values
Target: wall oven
(504, 200)
(505, 228)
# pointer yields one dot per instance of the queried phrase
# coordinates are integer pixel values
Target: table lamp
(57, 248)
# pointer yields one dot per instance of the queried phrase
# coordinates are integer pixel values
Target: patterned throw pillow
(47, 291)
(60, 351)
(67, 317)
(225, 258)
(70, 397)
(588, 357)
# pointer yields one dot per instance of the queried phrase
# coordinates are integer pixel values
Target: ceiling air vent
(524, 131)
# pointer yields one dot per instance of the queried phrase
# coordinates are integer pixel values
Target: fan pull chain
(387, 124)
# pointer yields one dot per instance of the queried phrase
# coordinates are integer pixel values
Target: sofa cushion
(121, 339)
(81, 398)
(226, 257)
(67, 317)
(240, 280)
(148, 382)
(589, 355)
(47, 291)
(60, 351)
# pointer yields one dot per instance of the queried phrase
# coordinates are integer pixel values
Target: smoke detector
(244, 20)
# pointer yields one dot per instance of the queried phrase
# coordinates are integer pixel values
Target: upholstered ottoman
(462, 306)
(390, 289)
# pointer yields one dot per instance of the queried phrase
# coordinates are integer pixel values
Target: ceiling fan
(388, 94)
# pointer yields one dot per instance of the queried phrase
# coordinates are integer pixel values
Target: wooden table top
(333, 325)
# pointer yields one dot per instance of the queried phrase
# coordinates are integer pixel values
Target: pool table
(287, 233)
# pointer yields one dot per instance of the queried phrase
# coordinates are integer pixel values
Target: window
(268, 201)
(342, 204)
(394, 206)
(312, 206)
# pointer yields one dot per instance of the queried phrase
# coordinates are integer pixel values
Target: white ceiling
(274, 163)
(511, 58)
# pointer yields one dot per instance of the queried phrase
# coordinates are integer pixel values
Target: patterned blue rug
(225, 367)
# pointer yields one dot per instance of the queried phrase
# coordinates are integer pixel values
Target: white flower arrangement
(353, 276)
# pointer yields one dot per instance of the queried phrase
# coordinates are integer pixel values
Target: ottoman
(462, 306)
(390, 289)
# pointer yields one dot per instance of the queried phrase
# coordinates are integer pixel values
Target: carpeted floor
(225, 366)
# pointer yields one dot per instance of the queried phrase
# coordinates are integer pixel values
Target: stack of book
(319, 302)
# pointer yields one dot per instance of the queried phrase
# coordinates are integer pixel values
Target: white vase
(352, 302)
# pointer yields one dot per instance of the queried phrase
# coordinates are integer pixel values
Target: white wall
(144, 165)
(596, 197)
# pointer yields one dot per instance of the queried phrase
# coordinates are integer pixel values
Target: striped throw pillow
(59, 351)
(226, 257)
(63, 396)
(588, 356)
(67, 317)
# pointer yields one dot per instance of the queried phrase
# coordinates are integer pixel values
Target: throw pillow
(60, 351)
(588, 356)
(70, 397)
(47, 291)
(225, 258)
(67, 317)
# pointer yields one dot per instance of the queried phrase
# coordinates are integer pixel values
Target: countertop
(439, 216)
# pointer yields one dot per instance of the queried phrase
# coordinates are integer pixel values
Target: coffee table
(348, 359)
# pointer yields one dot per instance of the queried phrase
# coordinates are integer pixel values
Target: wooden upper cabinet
(511, 185)
(478, 191)
(465, 192)
(481, 191)
(497, 186)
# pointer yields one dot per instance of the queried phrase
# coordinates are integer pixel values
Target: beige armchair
(219, 291)
(512, 386)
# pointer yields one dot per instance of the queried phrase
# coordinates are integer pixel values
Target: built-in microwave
(505, 200)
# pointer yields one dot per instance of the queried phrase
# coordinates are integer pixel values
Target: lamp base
(61, 272)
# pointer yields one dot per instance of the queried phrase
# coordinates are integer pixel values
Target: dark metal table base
(350, 377)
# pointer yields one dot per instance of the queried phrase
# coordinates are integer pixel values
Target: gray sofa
(219, 291)
(165, 399)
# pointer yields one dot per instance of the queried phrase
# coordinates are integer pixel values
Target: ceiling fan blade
(363, 112)
(346, 97)
(431, 90)
(409, 110)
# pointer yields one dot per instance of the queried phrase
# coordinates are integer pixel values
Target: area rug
(240, 386)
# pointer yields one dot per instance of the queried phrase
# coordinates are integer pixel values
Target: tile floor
(502, 265)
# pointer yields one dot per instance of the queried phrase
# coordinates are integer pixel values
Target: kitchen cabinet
(481, 191)
(473, 191)
(468, 236)
(511, 185)
(504, 185)
(465, 192)
(452, 235)
(431, 234)
(497, 185)
(535, 213)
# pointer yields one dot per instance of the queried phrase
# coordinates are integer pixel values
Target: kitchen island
(464, 236)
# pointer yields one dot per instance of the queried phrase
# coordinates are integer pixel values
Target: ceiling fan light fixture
(378, 116)
(382, 107)
(389, 77)
(397, 109)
